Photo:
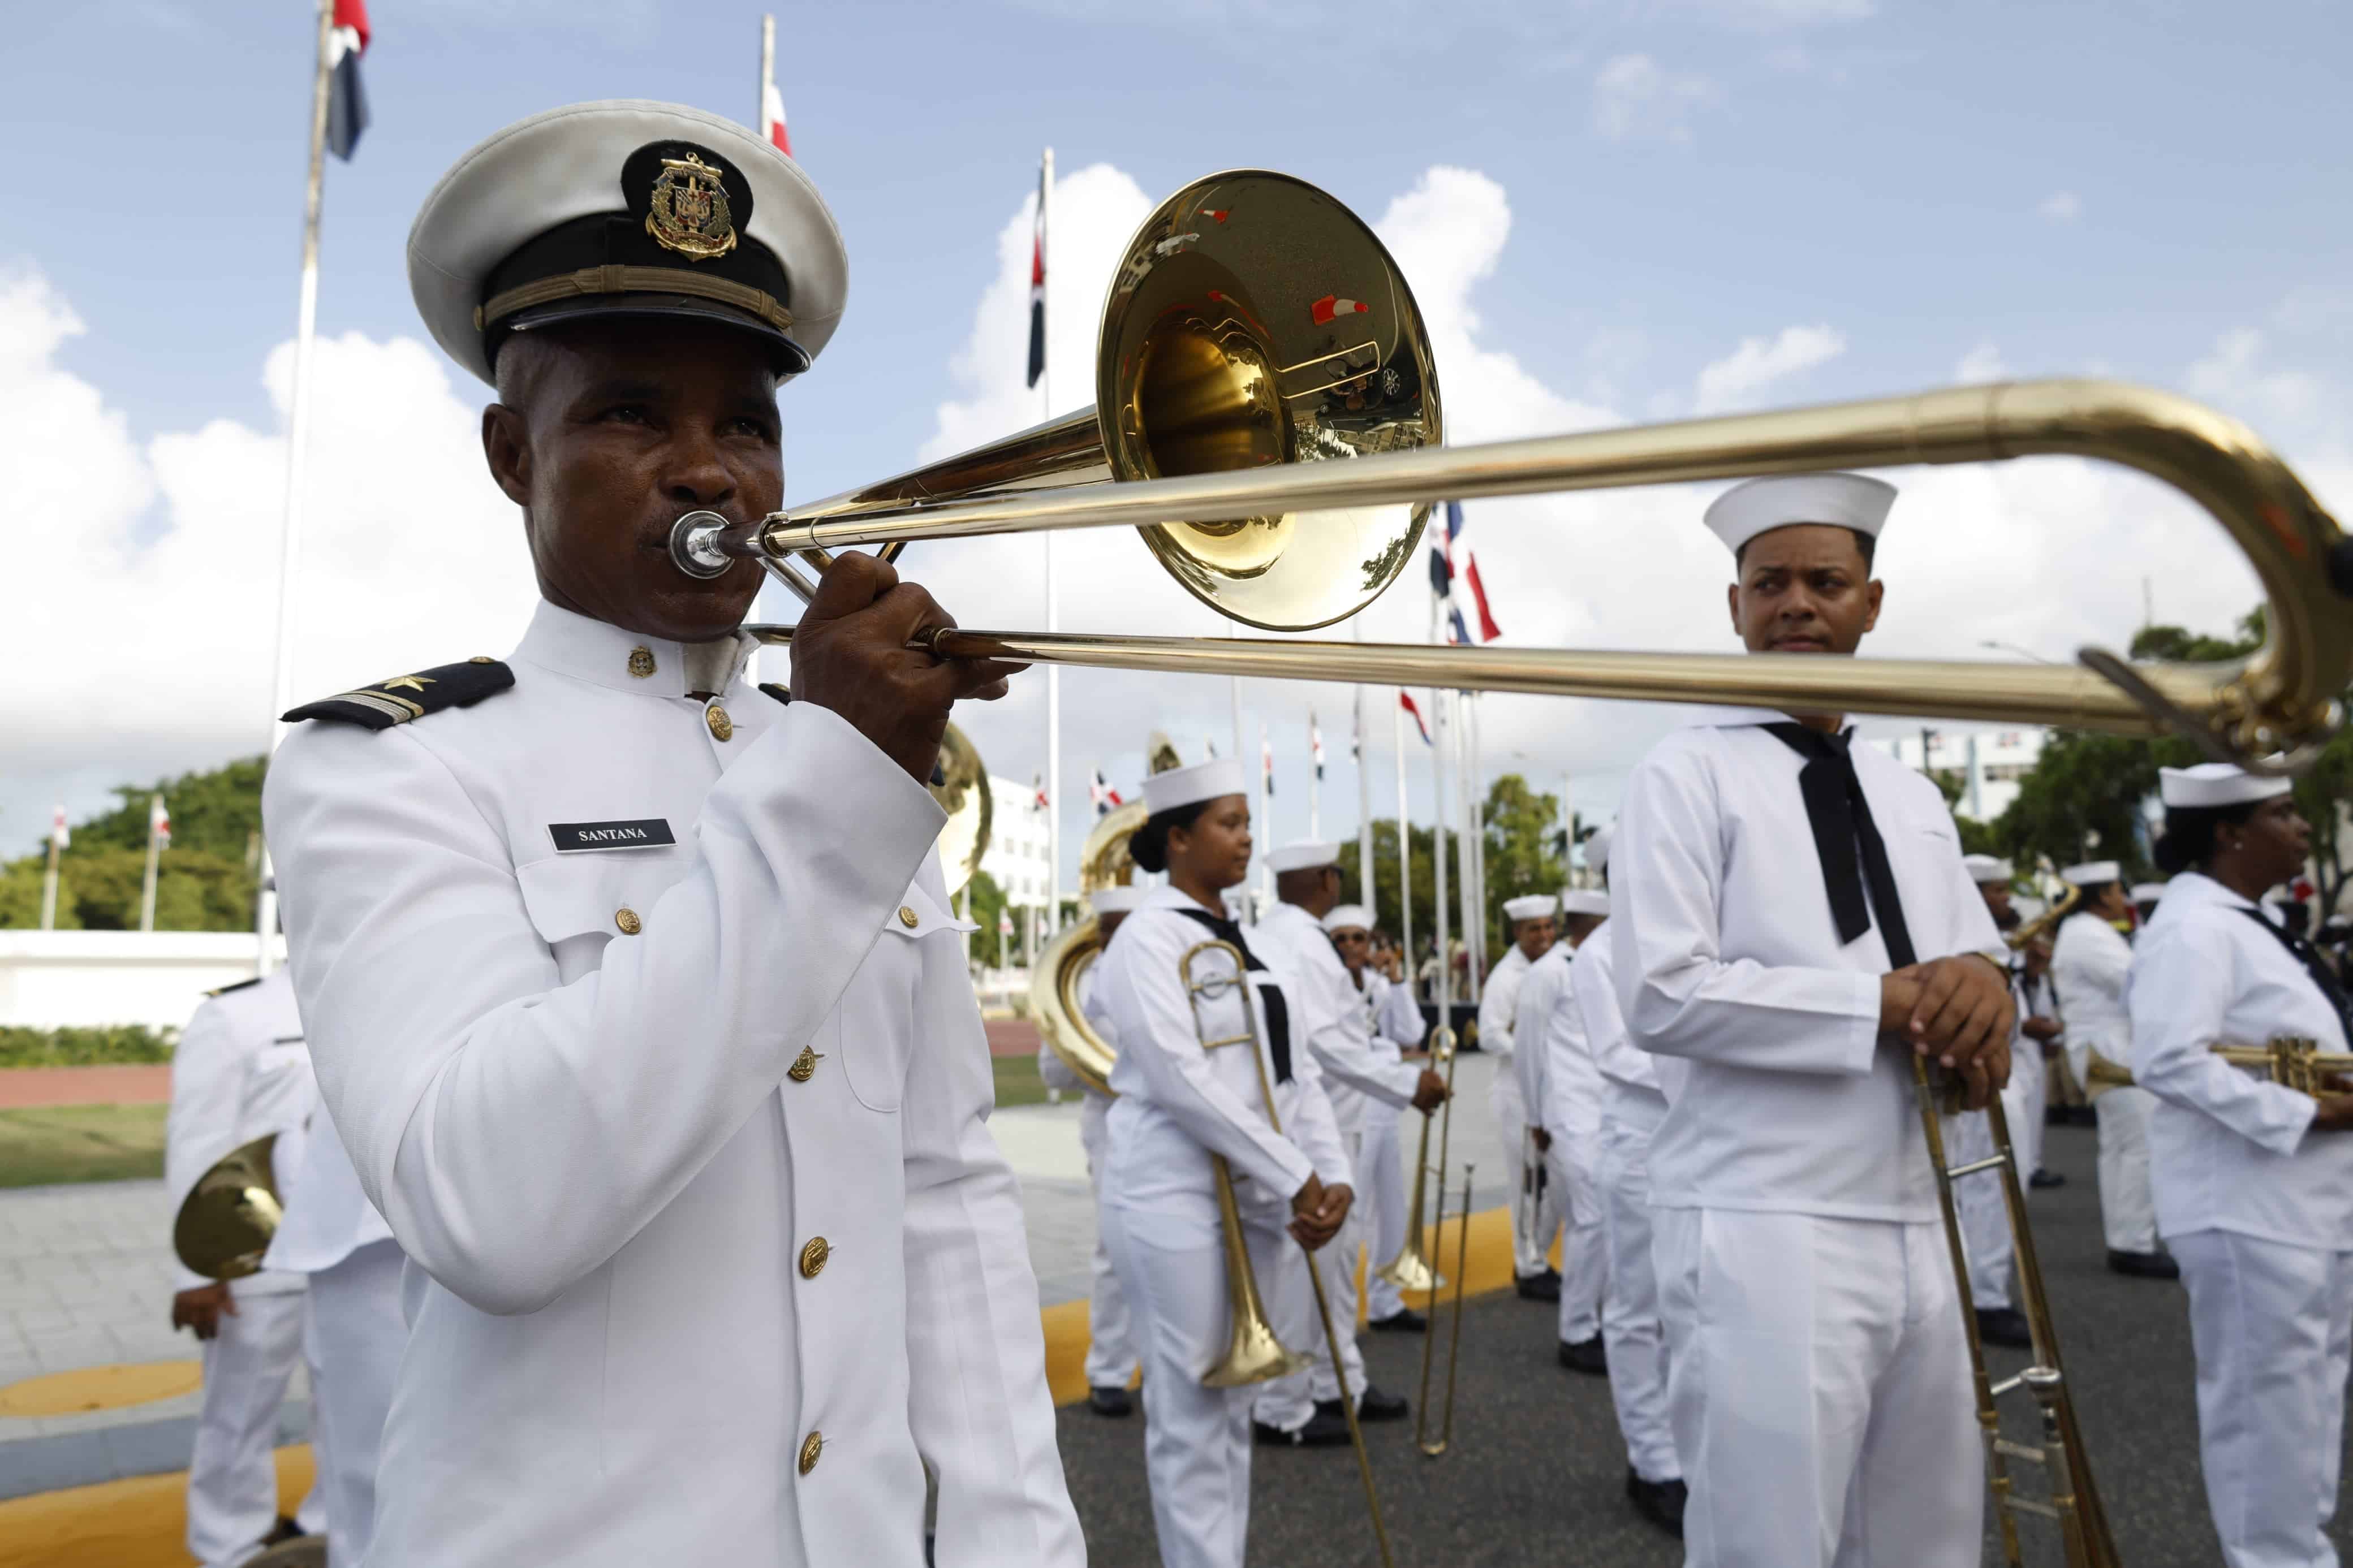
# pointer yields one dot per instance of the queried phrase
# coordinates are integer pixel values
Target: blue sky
(2153, 191)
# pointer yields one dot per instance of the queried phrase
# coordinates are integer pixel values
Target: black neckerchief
(1278, 1015)
(2314, 964)
(1840, 816)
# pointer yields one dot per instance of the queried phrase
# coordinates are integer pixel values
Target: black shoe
(1660, 1502)
(1404, 1321)
(2144, 1264)
(285, 1529)
(2083, 1116)
(1544, 1287)
(2004, 1326)
(1327, 1428)
(2055, 1115)
(1112, 1402)
(1375, 1405)
(2043, 1178)
(1587, 1356)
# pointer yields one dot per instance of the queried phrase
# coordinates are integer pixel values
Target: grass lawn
(1017, 1082)
(82, 1144)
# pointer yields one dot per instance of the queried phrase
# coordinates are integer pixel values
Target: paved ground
(141, 1083)
(1536, 1472)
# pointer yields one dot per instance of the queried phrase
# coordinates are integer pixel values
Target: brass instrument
(1253, 1354)
(1421, 1439)
(2072, 1502)
(2047, 921)
(227, 1220)
(1410, 1268)
(961, 787)
(2292, 1062)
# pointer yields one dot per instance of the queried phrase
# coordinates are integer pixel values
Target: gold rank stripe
(399, 709)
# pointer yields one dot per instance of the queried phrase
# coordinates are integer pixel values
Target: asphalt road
(1536, 1471)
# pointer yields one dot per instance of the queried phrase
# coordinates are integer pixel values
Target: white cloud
(2061, 206)
(2234, 376)
(1733, 381)
(1982, 363)
(1634, 98)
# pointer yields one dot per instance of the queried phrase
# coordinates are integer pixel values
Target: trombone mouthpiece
(694, 545)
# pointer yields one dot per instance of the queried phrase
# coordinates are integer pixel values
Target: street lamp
(2021, 652)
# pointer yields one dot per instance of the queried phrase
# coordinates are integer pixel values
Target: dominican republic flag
(158, 823)
(1316, 743)
(1038, 783)
(1404, 701)
(1099, 790)
(1266, 761)
(59, 834)
(347, 113)
(1037, 286)
(1441, 582)
(772, 117)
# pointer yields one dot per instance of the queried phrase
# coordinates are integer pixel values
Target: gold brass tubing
(1454, 1328)
(1349, 1409)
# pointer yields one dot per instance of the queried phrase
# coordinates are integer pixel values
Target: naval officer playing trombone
(631, 986)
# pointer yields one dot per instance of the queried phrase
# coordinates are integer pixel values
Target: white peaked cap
(1117, 900)
(1349, 915)
(1529, 907)
(1303, 856)
(1585, 901)
(1984, 868)
(1597, 849)
(2215, 784)
(1759, 506)
(2091, 873)
(1190, 786)
(2148, 893)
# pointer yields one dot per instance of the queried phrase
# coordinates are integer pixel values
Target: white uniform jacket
(1558, 1083)
(328, 1216)
(1398, 1024)
(1727, 956)
(1499, 1003)
(1337, 1027)
(1058, 1074)
(2090, 959)
(241, 1071)
(1179, 1103)
(688, 1140)
(2228, 1150)
(1632, 1102)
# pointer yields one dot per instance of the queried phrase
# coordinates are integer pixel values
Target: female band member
(2253, 1180)
(1179, 1103)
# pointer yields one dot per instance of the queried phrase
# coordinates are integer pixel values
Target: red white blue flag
(1404, 701)
(1037, 286)
(348, 112)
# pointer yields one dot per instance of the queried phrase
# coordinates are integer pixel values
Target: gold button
(641, 661)
(813, 1258)
(811, 1450)
(626, 919)
(482, 658)
(907, 918)
(804, 1066)
(721, 726)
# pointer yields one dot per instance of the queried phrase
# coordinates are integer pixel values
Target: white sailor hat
(1116, 900)
(627, 208)
(1585, 901)
(1188, 786)
(1781, 500)
(2148, 893)
(1529, 907)
(1597, 849)
(2215, 784)
(1305, 855)
(1984, 868)
(1349, 916)
(2091, 873)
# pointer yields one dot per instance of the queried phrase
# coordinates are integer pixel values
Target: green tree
(1523, 855)
(206, 881)
(986, 901)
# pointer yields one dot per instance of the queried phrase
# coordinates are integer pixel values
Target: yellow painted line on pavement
(89, 1388)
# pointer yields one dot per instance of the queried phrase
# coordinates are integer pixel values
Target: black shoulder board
(407, 697)
(240, 985)
(781, 693)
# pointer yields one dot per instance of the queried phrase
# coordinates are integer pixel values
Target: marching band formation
(631, 1095)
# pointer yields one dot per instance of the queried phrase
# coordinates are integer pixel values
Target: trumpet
(2292, 1062)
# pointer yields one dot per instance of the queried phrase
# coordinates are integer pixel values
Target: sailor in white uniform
(1561, 1089)
(1978, 1201)
(631, 984)
(1183, 1102)
(1536, 1213)
(1333, 1024)
(2253, 1179)
(240, 1073)
(1631, 1108)
(2090, 962)
(1791, 925)
(1111, 1349)
(1393, 1026)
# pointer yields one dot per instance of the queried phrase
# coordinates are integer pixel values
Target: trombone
(1411, 1270)
(2292, 1062)
(1253, 1353)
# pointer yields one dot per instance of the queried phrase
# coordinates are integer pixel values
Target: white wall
(51, 979)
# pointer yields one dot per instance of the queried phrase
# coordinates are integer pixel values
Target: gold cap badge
(690, 211)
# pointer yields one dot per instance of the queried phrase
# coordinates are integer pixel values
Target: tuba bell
(225, 1222)
(961, 786)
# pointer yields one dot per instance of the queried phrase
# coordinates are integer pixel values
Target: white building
(1015, 857)
(1990, 763)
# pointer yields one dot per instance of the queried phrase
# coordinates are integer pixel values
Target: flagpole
(298, 429)
(154, 850)
(49, 878)
(1264, 815)
(1053, 608)
(1364, 796)
(1474, 829)
(768, 72)
(1438, 779)
(1314, 779)
(1405, 848)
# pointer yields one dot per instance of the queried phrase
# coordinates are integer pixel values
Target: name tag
(646, 833)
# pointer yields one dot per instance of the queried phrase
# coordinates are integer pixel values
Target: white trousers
(2127, 1211)
(1629, 1310)
(233, 1473)
(1288, 1401)
(1818, 1386)
(1584, 1242)
(1111, 1352)
(2272, 1325)
(1380, 1196)
(1535, 1217)
(2029, 1078)
(1985, 1218)
(354, 1334)
(1196, 1440)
